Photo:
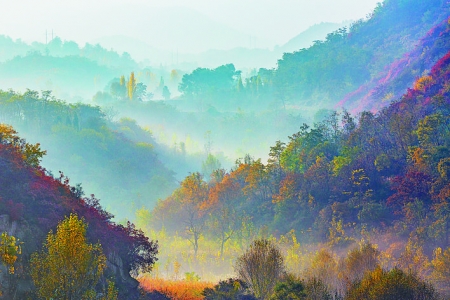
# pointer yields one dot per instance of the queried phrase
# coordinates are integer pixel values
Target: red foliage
(441, 65)
(413, 185)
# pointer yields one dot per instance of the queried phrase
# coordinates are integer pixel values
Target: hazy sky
(274, 21)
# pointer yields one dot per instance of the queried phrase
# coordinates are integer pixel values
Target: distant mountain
(172, 28)
(245, 58)
(306, 38)
(242, 58)
(137, 48)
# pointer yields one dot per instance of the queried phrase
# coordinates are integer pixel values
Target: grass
(175, 289)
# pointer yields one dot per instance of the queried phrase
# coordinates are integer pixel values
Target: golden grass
(175, 289)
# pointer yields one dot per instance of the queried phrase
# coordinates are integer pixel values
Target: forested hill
(362, 67)
(393, 81)
(32, 203)
(381, 177)
(64, 67)
(119, 162)
(349, 58)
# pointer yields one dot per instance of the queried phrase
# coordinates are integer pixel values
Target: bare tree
(261, 268)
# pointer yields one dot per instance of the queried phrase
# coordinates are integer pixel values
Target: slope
(117, 161)
(381, 177)
(327, 71)
(32, 203)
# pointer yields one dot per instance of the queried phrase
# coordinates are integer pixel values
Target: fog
(215, 123)
(175, 26)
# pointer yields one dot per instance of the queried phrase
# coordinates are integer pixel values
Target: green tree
(165, 93)
(140, 92)
(210, 165)
(291, 288)
(68, 267)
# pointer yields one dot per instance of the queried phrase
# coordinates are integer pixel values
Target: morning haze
(307, 140)
(189, 26)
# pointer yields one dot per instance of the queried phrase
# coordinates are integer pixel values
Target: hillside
(394, 80)
(378, 177)
(349, 58)
(32, 203)
(305, 39)
(113, 160)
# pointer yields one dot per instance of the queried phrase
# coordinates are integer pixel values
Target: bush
(394, 284)
(231, 289)
(291, 288)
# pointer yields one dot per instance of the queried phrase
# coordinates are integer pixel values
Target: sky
(157, 22)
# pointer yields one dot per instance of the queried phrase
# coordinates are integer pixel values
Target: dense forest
(340, 189)
(332, 187)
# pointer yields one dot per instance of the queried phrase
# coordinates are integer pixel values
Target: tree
(441, 268)
(226, 220)
(68, 267)
(193, 193)
(359, 261)
(9, 251)
(323, 270)
(209, 82)
(291, 288)
(210, 165)
(261, 268)
(31, 154)
(140, 92)
(131, 86)
(316, 289)
(165, 93)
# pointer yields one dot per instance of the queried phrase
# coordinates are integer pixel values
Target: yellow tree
(68, 266)
(131, 86)
(441, 269)
(9, 249)
(31, 154)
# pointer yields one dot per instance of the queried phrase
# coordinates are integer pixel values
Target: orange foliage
(225, 191)
(175, 289)
(423, 82)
